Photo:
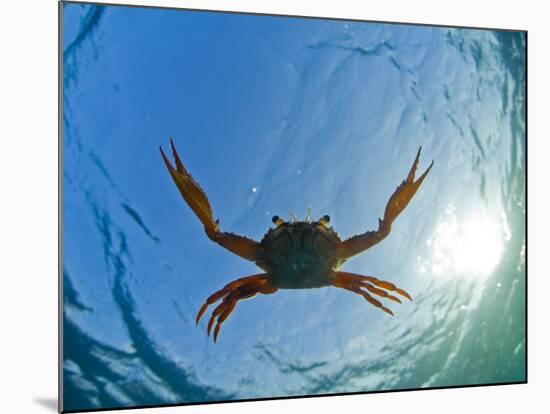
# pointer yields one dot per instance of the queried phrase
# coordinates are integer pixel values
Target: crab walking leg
(224, 309)
(396, 204)
(356, 288)
(228, 305)
(380, 283)
(229, 301)
(231, 286)
(380, 292)
(196, 198)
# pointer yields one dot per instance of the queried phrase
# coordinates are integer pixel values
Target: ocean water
(273, 115)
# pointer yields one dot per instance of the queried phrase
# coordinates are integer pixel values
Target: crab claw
(405, 192)
(196, 198)
(396, 204)
(191, 191)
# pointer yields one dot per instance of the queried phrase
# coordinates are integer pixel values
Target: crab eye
(277, 220)
(324, 220)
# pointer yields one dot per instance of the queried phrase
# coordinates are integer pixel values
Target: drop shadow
(49, 403)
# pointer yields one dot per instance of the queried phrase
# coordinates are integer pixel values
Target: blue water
(273, 115)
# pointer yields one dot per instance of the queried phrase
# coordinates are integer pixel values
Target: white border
(28, 189)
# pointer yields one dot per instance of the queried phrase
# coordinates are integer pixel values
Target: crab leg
(239, 289)
(355, 283)
(196, 198)
(396, 204)
(231, 286)
(355, 278)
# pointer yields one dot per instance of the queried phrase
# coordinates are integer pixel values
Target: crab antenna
(292, 217)
(308, 215)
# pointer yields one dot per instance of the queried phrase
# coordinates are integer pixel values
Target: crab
(294, 254)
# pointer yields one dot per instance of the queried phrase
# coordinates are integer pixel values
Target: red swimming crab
(295, 254)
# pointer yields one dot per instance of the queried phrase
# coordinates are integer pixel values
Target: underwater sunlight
(468, 247)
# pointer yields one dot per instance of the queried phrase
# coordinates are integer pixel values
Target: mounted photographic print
(260, 206)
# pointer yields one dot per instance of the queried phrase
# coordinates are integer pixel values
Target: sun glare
(471, 247)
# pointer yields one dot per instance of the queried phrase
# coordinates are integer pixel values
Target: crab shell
(300, 255)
